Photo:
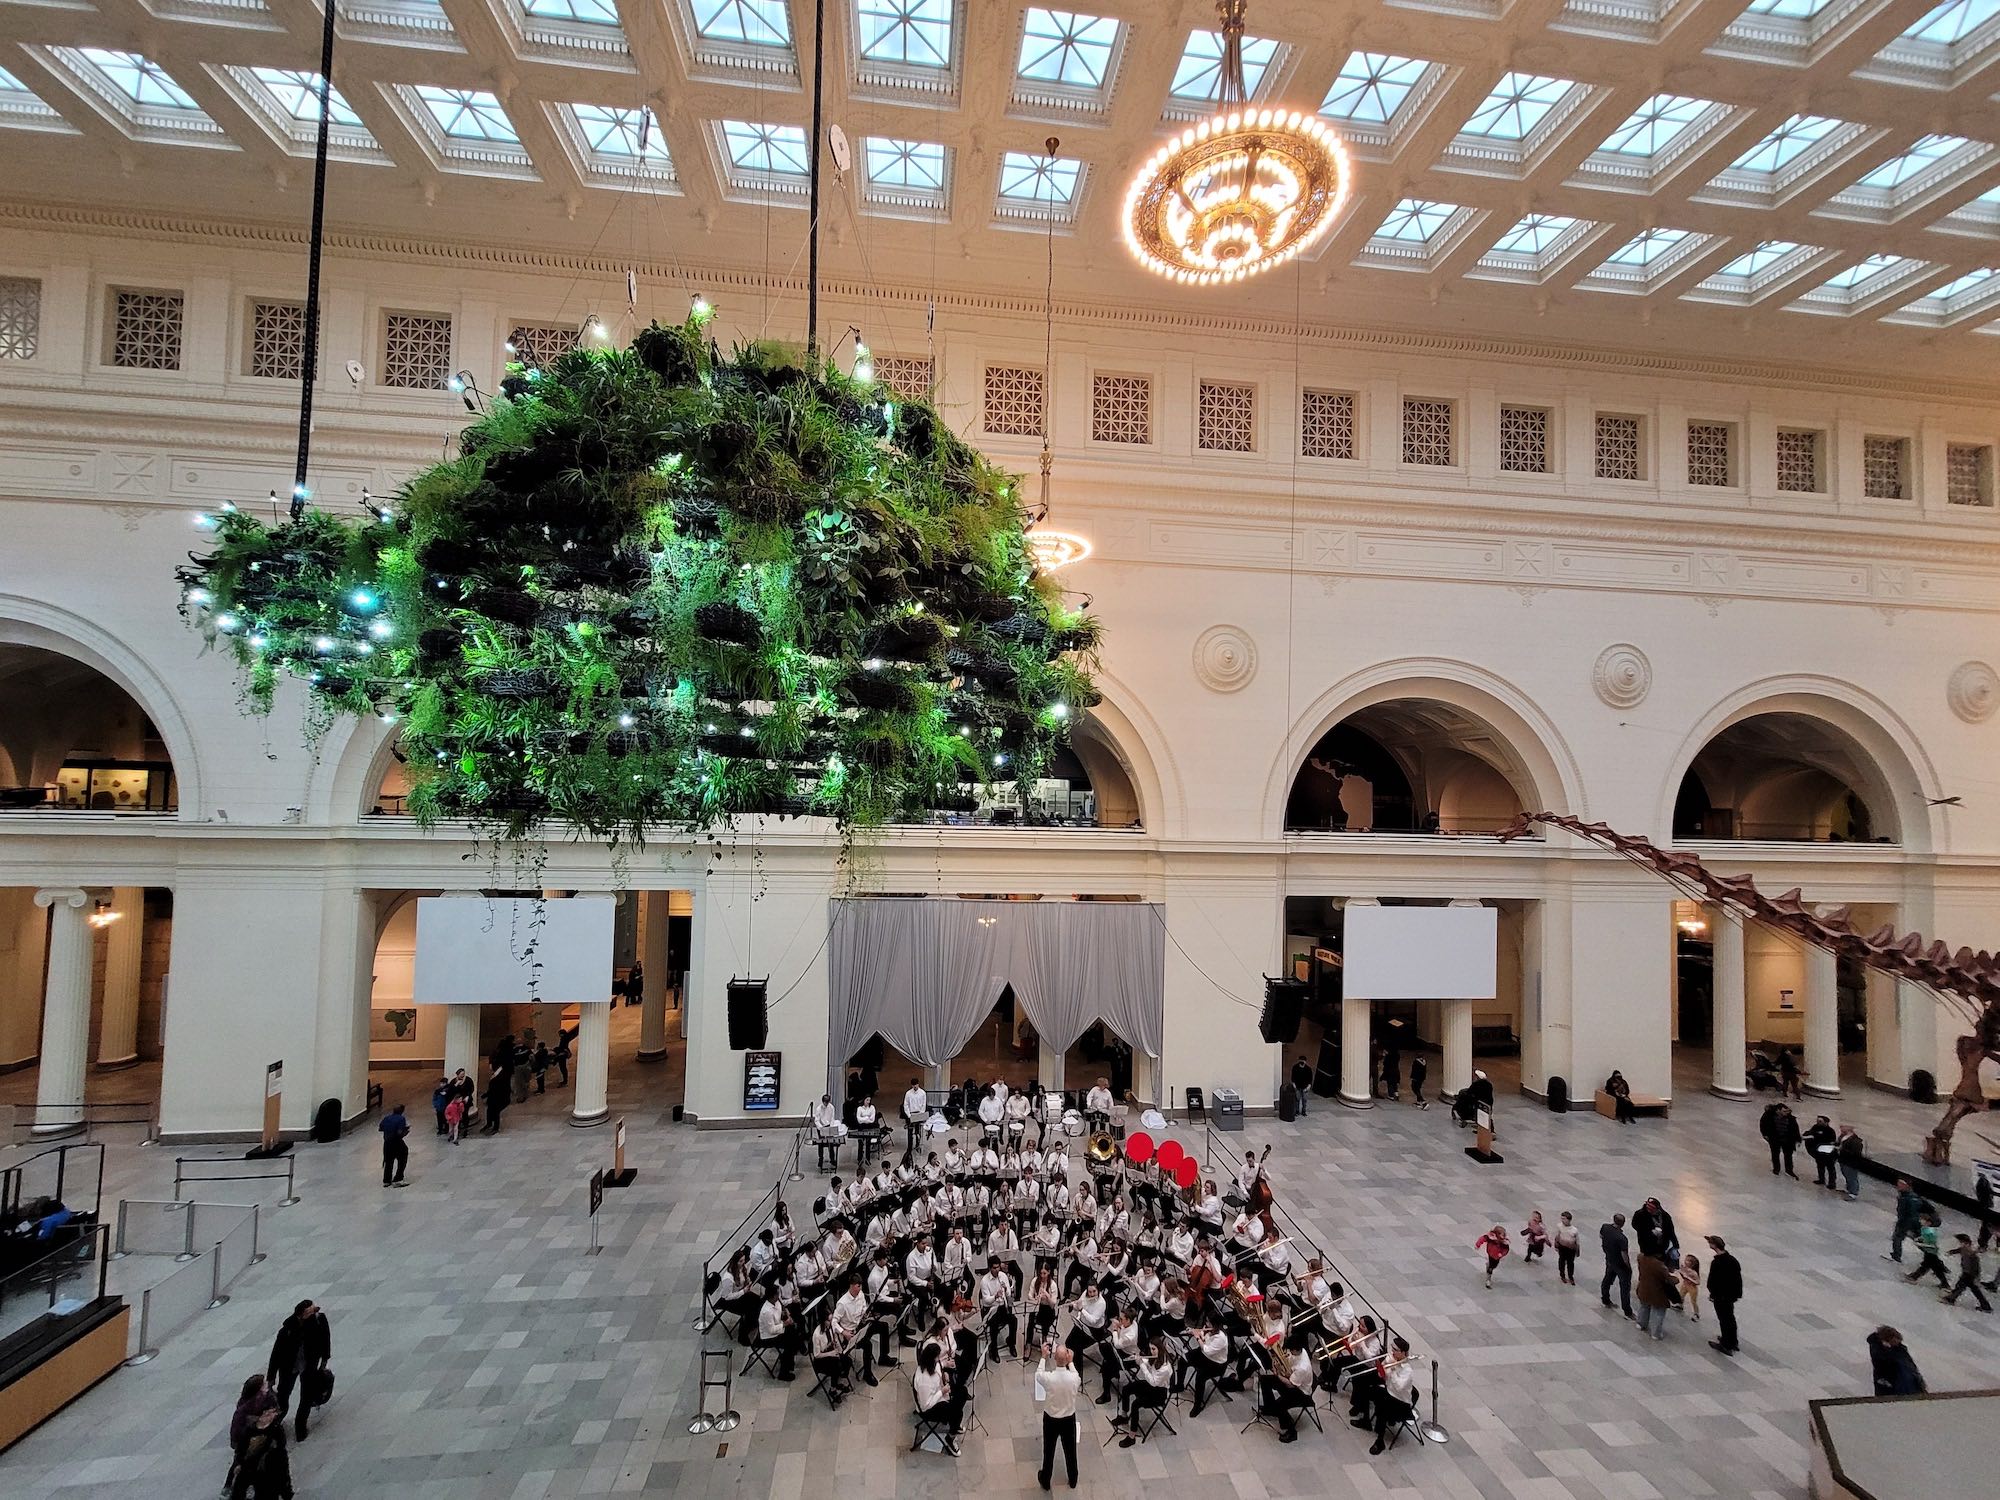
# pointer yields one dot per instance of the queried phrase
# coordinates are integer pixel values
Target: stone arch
(1540, 766)
(1899, 777)
(1127, 731)
(32, 622)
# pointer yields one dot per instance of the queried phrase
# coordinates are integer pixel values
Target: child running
(1494, 1243)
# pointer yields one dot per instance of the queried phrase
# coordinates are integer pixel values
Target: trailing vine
(659, 588)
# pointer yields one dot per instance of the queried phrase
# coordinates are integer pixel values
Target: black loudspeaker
(1923, 1087)
(1284, 1008)
(747, 1014)
(1558, 1094)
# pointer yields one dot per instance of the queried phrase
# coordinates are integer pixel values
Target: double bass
(1260, 1188)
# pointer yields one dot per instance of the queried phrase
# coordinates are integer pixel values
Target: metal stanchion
(188, 1251)
(726, 1420)
(216, 1295)
(1433, 1430)
(291, 1192)
(118, 1250)
(798, 1147)
(146, 1351)
(257, 1255)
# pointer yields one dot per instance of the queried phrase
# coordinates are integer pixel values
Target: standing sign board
(761, 1072)
(596, 1202)
(274, 1097)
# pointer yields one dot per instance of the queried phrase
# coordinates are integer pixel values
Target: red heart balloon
(1188, 1173)
(1139, 1148)
(1170, 1156)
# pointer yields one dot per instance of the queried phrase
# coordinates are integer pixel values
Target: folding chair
(927, 1425)
(1146, 1418)
(1411, 1423)
(760, 1354)
(1197, 1106)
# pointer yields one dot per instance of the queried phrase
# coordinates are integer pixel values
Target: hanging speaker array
(1284, 1008)
(748, 1014)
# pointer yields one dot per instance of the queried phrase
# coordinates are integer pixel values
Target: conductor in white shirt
(916, 1109)
(1057, 1387)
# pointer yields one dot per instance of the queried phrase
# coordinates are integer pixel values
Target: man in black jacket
(1780, 1129)
(1302, 1080)
(1725, 1290)
(303, 1346)
(1653, 1227)
(1617, 1262)
(1818, 1142)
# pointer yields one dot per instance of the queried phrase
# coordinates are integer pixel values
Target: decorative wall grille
(1618, 447)
(1885, 463)
(278, 339)
(1326, 424)
(416, 351)
(1710, 460)
(1226, 419)
(20, 317)
(146, 330)
(1121, 409)
(539, 345)
(1798, 460)
(1524, 439)
(907, 376)
(1013, 401)
(1427, 432)
(1968, 474)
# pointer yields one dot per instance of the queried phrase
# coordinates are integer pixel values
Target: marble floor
(481, 1351)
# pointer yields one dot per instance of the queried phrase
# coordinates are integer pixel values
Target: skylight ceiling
(1867, 270)
(1198, 77)
(1519, 102)
(905, 164)
(1954, 21)
(1656, 124)
(1959, 285)
(1371, 87)
(1416, 220)
(1064, 46)
(1900, 169)
(1038, 179)
(590, 12)
(1645, 248)
(1776, 150)
(468, 114)
(1793, 10)
(615, 132)
(755, 23)
(915, 33)
(1759, 256)
(297, 94)
(139, 79)
(1534, 234)
(778, 150)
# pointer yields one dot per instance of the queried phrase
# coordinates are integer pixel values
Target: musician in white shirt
(1363, 1353)
(1121, 1349)
(840, 1248)
(1274, 1262)
(1209, 1210)
(829, 1362)
(782, 1234)
(865, 1114)
(916, 1109)
(954, 1158)
(1152, 1385)
(1057, 1386)
(934, 1393)
(1146, 1285)
(854, 1321)
(775, 1331)
(1085, 1263)
(1395, 1401)
(810, 1269)
(1031, 1160)
(1048, 1243)
(1180, 1245)
(1002, 1243)
(763, 1253)
(1097, 1103)
(957, 1255)
(1017, 1116)
(991, 1111)
(918, 1270)
(826, 1119)
(1088, 1319)
(1044, 1298)
(1209, 1360)
(1287, 1388)
(996, 1302)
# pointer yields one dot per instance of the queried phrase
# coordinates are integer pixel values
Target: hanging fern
(661, 587)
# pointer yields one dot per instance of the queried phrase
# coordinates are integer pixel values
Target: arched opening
(73, 740)
(1409, 765)
(1785, 775)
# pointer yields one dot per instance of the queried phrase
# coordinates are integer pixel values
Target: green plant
(660, 587)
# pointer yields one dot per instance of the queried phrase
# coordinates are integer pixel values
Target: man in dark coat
(1725, 1290)
(1617, 1262)
(304, 1344)
(1653, 1228)
(1302, 1080)
(1818, 1142)
(1780, 1129)
(1895, 1372)
(1909, 1215)
(499, 1094)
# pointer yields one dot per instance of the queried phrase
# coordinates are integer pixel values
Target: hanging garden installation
(660, 587)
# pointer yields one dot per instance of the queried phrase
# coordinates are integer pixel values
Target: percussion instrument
(1072, 1123)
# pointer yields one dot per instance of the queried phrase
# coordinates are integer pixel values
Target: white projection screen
(469, 950)
(1419, 953)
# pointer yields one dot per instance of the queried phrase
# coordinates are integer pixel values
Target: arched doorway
(1409, 765)
(1785, 776)
(73, 740)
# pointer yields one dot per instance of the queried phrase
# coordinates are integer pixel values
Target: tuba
(1102, 1149)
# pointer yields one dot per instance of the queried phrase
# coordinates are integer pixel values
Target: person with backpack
(299, 1356)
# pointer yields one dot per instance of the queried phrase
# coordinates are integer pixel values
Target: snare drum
(1072, 1123)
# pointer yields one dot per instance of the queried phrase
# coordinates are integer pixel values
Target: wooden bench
(1642, 1104)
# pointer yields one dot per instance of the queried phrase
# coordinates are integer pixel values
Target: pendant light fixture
(1050, 549)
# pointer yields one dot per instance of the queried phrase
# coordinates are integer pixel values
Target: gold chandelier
(1241, 192)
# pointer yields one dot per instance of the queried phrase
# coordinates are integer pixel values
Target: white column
(65, 1013)
(24, 930)
(1731, 1056)
(461, 1041)
(1354, 1020)
(653, 953)
(118, 1030)
(593, 1063)
(1822, 1022)
(1457, 1048)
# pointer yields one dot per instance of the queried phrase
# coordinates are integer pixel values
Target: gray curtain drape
(926, 973)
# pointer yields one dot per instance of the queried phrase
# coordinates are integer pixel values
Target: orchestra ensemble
(1002, 1246)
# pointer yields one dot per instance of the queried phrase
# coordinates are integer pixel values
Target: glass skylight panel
(905, 164)
(139, 79)
(592, 12)
(1371, 87)
(1199, 75)
(913, 32)
(468, 114)
(612, 131)
(1867, 270)
(779, 149)
(297, 93)
(1646, 248)
(1953, 21)
(1415, 220)
(758, 23)
(1963, 283)
(1785, 143)
(1519, 102)
(9, 84)
(1898, 170)
(1791, 10)
(1750, 262)
(1061, 46)
(1655, 124)
(1534, 234)
(1038, 179)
